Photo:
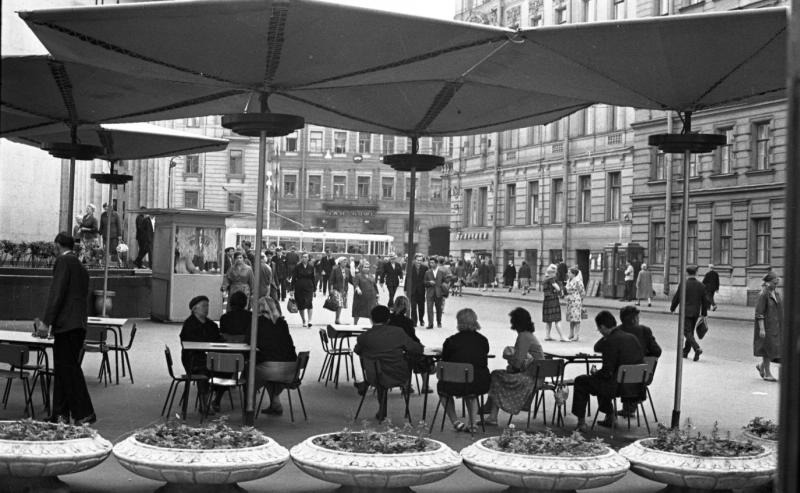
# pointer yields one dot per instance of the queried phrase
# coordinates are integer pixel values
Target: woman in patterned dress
(575, 294)
(511, 389)
(551, 306)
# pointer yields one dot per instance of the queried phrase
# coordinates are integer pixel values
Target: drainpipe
(541, 209)
(495, 239)
(301, 134)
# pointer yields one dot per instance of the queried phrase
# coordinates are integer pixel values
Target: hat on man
(771, 276)
(196, 300)
(628, 311)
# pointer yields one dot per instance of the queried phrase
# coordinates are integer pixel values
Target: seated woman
(234, 324)
(198, 328)
(399, 317)
(512, 388)
(276, 357)
(467, 346)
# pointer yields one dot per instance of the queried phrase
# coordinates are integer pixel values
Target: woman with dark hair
(400, 317)
(239, 278)
(234, 323)
(509, 274)
(511, 389)
(467, 346)
(303, 287)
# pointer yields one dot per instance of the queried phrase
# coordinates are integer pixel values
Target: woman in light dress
(575, 293)
(238, 278)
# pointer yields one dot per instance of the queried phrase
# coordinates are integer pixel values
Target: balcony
(354, 199)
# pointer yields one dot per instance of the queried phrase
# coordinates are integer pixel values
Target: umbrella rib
(124, 51)
(106, 141)
(275, 39)
(440, 102)
(180, 104)
(345, 115)
(61, 78)
(571, 109)
(52, 118)
(740, 65)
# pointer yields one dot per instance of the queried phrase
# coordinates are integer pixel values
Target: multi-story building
(545, 193)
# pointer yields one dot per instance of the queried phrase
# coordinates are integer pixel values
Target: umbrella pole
(108, 241)
(410, 250)
(676, 411)
(71, 195)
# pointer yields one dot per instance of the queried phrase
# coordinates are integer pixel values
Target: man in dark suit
(65, 318)
(144, 238)
(629, 316)
(281, 272)
(292, 259)
(618, 348)
(696, 305)
(116, 231)
(435, 290)
(415, 290)
(391, 274)
(326, 264)
(711, 282)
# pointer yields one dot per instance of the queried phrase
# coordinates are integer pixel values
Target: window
(436, 189)
(290, 185)
(616, 118)
(513, 17)
(658, 246)
(585, 199)
(339, 186)
(557, 201)
(191, 199)
(291, 142)
(408, 188)
(761, 241)
(724, 242)
(586, 10)
(480, 210)
(467, 218)
(614, 196)
(235, 165)
(363, 186)
(533, 202)
(388, 144)
(691, 243)
(761, 147)
(364, 143)
(315, 141)
(511, 204)
(535, 8)
(375, 226)
(560, 12)
(692, 165)
(437, 146)
(578, 122)
(619, 9)
(193, 122)
(416, 225)
(659, 169)
(510, 139)
(662, 6)
(235, 201)
(314, 186)
(339, 142)
(725, 153)
(554, 131)
(193, 164)
(387, 187)
(402, 145)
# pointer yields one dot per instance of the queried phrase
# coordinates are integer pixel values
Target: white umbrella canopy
(124, 141)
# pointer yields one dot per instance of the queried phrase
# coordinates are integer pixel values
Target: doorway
(582, 258)
(439, 241)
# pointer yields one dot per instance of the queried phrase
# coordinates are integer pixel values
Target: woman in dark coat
(365, 296)
(303, 287)
(768, 326)
(340, 282)
(509, 274)
(467, 346)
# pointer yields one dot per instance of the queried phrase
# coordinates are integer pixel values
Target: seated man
(234, 324)
(629, 316)
(198, 328)
(618, 348)
(388, 345)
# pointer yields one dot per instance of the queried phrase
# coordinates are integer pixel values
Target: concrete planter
(35, 466)
(766, 443)
(375, 472)
(218, 469)
(537, 473)
(693, 473)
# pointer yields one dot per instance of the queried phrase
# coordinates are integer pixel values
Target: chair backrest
(224, 362)
(323, 337)
(14, 355)
(540, 369)
(332, 332)
(97, 335)
(447, 371)
(130, 339)
(300, 369)
(168, 357)
(651, 362)
(630, 375)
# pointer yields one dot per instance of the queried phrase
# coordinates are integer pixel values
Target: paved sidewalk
(659, 305)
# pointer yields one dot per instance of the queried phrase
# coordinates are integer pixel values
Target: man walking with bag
(696, 306)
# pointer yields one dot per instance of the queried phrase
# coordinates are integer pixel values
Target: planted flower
(546, 443)
(685, 441)
(40, 431)
(216, 436)
(391, 440)
(762, 428)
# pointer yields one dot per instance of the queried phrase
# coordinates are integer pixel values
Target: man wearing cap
(391, 274)
(711, 283)
(696, 305)
(415, 290)
(629, 316)
(198, 328)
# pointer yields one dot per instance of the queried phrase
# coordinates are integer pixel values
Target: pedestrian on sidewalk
(551, 306)
(524, 276)
(484, 275)
(711, 283)
(461, 277)
(629, 278)
(696, 306)
(768, 327)
(644, 286)
(509, 274)
(575, 293)
(492, 274)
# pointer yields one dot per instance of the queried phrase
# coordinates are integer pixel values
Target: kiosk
(187, 261)
(617, 255)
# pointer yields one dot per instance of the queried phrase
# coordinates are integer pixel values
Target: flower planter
(694, 473)
(375, 472)
(216, 469)
(539, 473)
(35, 465)
(764, 442)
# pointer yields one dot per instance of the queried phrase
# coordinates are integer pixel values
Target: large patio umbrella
(122, 141)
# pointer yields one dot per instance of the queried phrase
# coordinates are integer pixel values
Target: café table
(114, 323)
(216, 347)
(571, 357)
(338, 334)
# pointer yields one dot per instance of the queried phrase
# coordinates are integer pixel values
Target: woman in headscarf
(768, 326)
(551, 306)
(303, 285)
(340, 282)
(238, 278)
(509, 274)
(365, 296)
(575, 293)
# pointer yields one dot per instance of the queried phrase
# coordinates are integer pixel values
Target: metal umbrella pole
(108, 240)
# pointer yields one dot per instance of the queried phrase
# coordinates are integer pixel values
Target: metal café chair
(175, 383)
(294, 384)
(123, 350)
(652, 362)
(457, 373)
(226, 369)
(332, 344)
(16, 356)
(373, 376)
(96, 341)
(541, 370)
(631, 385)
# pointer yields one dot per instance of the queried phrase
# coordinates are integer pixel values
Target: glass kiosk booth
(187, 261)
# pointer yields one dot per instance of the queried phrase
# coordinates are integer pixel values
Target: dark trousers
(144, 249)
(70, 396)
(283, 283)
(690, 342)
(589, 385)
(418, 306)
(435, 302)
(710, 296)
(630, 294)
(392, 291)
(324, 283)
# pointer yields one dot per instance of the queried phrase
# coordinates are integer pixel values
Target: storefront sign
(339, 210)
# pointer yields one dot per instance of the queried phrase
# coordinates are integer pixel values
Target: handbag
(701, 327)
(333, 302)
(584, 314)
(291, 306)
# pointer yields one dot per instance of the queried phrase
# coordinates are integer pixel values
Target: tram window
(336, 246)
(316, 246)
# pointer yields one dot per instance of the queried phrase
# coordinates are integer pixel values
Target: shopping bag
(333, 302)
(584, 313)
(701, 327)
(291, 306)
